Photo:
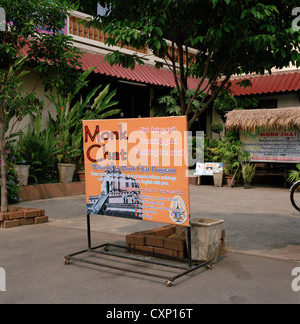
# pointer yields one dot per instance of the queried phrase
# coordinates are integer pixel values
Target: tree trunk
(3, 167)
(3, 180)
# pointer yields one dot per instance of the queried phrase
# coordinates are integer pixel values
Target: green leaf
(157, 44)
(159, 31)
(136, 35)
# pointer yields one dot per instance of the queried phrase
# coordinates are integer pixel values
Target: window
(267, 103)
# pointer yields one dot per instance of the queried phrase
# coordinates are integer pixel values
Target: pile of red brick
(162, 240)
(17, 216)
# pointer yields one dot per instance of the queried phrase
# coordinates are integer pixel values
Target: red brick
(3, 217)
(176, 245)
(163, 251)
(41, 212)
(31, 213)
(148, 232)
(135, 239)
(129, 247)
(165, 230)
(148, 249)
(15, 215)
(12, 223)
(41, 219)
(172, 229)
(180, 254)
(156, 241)
(27, 221)
(11, 209)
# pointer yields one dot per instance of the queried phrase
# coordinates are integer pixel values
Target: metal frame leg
(192, 264)
(88, 219)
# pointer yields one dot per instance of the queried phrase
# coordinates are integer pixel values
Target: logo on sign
(178, 212)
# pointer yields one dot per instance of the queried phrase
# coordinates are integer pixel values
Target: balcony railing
(95, 37)
(77, 29)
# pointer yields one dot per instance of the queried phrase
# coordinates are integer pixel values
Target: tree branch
(179, 88)
(200, 110)
(189, 106)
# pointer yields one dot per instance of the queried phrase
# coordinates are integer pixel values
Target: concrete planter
(218, 179)
(205, 236)
(22, 172)
(66, 172)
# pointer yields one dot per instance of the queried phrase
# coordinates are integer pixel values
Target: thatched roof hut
(250, 120)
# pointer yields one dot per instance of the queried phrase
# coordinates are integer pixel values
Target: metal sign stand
(187, 265)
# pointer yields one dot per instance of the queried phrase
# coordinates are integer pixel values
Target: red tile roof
(280, 82)
(267, 84)
(141, 74)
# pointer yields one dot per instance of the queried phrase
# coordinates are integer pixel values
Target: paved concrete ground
(262, 238)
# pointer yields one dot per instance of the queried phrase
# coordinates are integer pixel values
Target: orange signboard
(138, 168)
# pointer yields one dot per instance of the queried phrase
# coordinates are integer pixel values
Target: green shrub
(39, 153)
(13, 188)
(211, 150)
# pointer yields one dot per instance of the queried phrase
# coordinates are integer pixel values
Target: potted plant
(217, 128)
(20, 166)
(229, 150)
(81, 173)
(231, 153)
(38, 148)
(211, 154)
(248, 172)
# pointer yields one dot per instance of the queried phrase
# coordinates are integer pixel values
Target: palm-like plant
(248, 171)
(294, 175)
(68, 124)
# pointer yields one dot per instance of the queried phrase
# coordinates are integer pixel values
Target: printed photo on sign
(119, 196)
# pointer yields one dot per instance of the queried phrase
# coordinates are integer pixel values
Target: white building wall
(33, 83)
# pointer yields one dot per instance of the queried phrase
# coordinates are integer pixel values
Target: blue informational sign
(208, 168)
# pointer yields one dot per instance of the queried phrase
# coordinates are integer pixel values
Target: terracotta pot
(81, 176)
(230, 181)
